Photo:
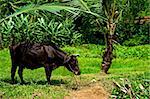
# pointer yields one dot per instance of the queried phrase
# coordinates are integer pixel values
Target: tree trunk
(108, 54)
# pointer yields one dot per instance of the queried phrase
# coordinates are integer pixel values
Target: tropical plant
(112, 14)
(22, 28)
(33, 22)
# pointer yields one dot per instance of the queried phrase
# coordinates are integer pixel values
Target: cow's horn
(76, 55)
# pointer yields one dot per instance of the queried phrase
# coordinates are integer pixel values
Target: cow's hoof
(49, 83)
(23, 83)
(13, 82)
(74, 88)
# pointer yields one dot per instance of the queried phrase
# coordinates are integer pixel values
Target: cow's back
(34, 55)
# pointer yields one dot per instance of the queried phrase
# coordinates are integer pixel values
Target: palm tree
(52, 8)
(112, 14)
(112, 18)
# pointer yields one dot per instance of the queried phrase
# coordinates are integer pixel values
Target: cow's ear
(75, 55)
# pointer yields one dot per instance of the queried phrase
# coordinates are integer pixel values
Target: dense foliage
(128, 31)
(22, 28)
(42, 26)
(131, 32)
(36, 26)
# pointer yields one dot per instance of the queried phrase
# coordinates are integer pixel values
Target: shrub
(24, 28)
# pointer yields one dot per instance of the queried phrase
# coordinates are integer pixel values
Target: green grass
(131, 62)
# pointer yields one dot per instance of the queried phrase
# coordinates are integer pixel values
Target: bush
(23, 28)
(133, 34)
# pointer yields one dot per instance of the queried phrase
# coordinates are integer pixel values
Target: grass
(131, 62)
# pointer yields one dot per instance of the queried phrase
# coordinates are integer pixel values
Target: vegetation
(132, 65)
(77, 25)
(82, 26)
(111, 9)
(22, 29)
(128, 89)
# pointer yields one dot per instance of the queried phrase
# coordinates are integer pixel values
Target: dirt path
(92, 92)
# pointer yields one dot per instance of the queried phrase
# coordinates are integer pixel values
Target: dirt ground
(92, 92)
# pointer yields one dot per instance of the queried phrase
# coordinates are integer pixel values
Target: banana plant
(112, 15)
(52, 8)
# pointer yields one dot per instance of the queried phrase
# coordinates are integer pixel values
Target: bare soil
(90, 92)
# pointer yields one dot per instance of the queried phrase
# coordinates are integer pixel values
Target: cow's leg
(48, 72)
(13, 71)
(20, 71)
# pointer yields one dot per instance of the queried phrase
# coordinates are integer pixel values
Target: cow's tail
(11, 45)
(12, 40)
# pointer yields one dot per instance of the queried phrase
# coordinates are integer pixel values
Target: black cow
(33, 55)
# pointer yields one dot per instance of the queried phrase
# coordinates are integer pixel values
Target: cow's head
(71, 63)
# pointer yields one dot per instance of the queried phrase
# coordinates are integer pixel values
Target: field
(130, 67)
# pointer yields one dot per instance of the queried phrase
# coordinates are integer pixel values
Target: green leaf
(51, 8)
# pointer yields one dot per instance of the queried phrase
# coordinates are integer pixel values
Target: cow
(34, 55)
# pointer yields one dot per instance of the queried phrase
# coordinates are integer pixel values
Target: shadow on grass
(40, 82)
(53, 82)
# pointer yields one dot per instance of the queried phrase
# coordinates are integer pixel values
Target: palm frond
(83, 5)
(51, 8)
(87, 10)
